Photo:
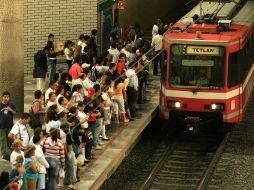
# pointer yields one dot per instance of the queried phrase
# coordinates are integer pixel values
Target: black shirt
(6, 119)
(50, 46)
(93, 105)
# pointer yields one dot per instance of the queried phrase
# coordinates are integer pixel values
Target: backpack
(94, 74)
(36, 59)
(38, 72)
(34, 119)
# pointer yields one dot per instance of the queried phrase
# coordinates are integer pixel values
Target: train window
(164, 66)
(193, 65)
(233, 70)
(240, 64)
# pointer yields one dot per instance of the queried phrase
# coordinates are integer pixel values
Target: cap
(91, 92)
(85, 65)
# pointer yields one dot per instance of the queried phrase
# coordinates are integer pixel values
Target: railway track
(187, 163)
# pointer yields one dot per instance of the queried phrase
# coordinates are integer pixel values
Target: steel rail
(212, 166)
(156, 168)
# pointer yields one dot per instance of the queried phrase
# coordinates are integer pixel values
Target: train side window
(233, 70)
(164, 62)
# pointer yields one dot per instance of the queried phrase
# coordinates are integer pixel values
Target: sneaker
(105, 138)
(71, 187)
(100, 136)
(101, 143)
(59, 185)
(98, 147)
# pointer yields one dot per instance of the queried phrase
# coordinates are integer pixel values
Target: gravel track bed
(235, 167)
(185, 166)
(134, 165)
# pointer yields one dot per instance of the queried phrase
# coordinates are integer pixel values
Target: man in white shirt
(132, 88)
(156, 27)
(157, 45)
(19, 130)
(115, 52)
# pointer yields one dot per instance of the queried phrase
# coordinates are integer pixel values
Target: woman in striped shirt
(55, 156)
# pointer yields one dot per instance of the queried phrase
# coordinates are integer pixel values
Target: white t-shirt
(20, 132)
(40, 160)
(115, 53)
(14, 156)
(47, 93)
(67, 51)
(52, 123)
(106, 98)
(155, 30)
(87, 83)
(82, 44)
(82, 116)
(157, 42)
(57, 98)
(49, 103)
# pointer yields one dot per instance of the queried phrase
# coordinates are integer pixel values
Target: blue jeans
(54, 167)
(96, 129)
(41, 182)
(53, 69)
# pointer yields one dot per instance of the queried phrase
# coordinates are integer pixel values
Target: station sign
(120, 5)
(202, 50)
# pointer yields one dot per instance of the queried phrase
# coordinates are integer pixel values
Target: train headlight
(213, 106)
(216, 107)
(175, 104)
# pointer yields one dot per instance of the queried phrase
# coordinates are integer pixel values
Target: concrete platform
(123, 138)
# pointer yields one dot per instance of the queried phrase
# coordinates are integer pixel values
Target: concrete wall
(11, 51)
(67, 19)
(146, 12)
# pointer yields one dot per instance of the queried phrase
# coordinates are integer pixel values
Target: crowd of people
(69, 122)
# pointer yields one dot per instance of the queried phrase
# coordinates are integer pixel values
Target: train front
(193, 90)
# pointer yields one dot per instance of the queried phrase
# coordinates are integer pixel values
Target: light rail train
(207, 64)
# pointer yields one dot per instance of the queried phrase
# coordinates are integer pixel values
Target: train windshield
(197, 66)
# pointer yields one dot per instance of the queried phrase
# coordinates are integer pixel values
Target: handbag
(7, 154)
(88, 135)
(34, 119)
(39, 73)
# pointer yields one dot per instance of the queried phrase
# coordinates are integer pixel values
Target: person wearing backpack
(40, 68)
(37, 112)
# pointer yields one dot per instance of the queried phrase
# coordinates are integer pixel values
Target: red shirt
(120, 66)
(75, 71)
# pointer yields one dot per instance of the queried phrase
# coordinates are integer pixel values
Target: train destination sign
(202, 50)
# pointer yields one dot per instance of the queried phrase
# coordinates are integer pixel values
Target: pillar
(11, 51)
